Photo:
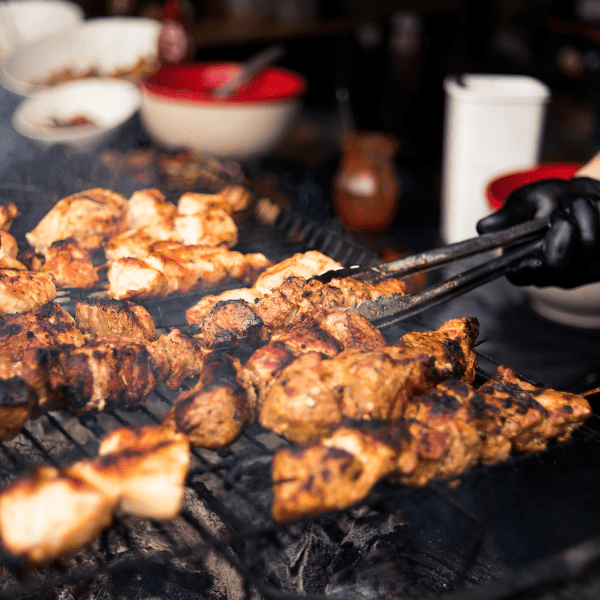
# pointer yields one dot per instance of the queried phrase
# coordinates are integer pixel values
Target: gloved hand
(570, 254)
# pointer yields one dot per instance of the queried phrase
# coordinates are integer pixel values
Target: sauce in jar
(366, 190)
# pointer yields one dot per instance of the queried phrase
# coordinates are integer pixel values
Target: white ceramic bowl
(107, 103)
(106, 45)
(178, 111)
(25, 21)
(578, 307)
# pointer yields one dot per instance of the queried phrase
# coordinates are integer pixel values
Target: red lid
(500, 188)
(193, 81)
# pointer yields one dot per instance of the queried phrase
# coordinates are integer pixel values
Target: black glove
(570, 254)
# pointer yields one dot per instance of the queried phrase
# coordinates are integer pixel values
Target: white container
(493, 124)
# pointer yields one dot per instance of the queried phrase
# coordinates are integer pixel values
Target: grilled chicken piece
(444, 433)
(451, 346)
(54, 512)
(46, 515)
(192, 203)
(48, 325)
(210, 228)
(8, 212)
(88, 217)
(141, 470)
(213, 413)
(8, 245)
(31, 260)
(116, 318)
(70, 265)
(102, 374)
(11, 263)
(136, 279)
(17, 402)
(228, 324)
(170, 266)
(295, 302)
(535, 415)
(21, 291)
(135, 243)
(336, 473)
(266, 364)
(352, 330)
(304, 264)
(180, 357)
(149, 207)
(313, 394)
(237, 196)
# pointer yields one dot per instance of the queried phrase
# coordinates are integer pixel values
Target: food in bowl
(102, 47)
(179, 112)
(578, 307)
(80, 114)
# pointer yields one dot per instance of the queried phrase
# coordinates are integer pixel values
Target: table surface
(546, 352)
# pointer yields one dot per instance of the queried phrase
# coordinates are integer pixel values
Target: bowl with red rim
(179, 111)
(578, 307)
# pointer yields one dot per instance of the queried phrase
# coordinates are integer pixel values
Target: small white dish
(106, 103)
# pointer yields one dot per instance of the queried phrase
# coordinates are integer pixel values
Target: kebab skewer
(444, 433)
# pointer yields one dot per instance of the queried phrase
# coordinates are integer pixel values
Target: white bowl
(107, 103)
(178, 111)
(106, 45)
(579, 307)
(25, 21)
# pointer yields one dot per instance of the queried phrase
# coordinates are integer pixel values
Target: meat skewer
(443, 434)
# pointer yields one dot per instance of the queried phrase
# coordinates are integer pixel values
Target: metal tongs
(516, 243)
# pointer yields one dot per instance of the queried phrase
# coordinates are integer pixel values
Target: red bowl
(498, 190)
(192, 82)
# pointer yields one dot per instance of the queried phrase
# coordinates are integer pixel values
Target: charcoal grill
(500, 533)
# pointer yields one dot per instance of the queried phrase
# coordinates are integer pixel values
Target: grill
(500, 533)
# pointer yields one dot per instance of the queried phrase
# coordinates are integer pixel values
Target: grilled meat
(444, 433)
(313, 394)
(560, 413)
(54, 512)
(192, 203)
(304, 264)
(8, 245)
(149, 207)
(70, 265)
(21, 291)
(209, 228)
(213, 413)
(134, 278)
(116, 318)
(352, 330)
(46, 515)
(88, 217)
(142, 470)
(177, 357)
(169, 267)
(8, 212)
(294, 303)
(48, 325)
(336, 473)
(17, 402)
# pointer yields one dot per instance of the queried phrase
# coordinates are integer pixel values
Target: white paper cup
(493, 124)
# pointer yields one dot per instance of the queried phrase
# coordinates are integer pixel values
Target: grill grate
(417, 543)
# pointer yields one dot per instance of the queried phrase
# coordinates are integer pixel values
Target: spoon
(249, 69)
